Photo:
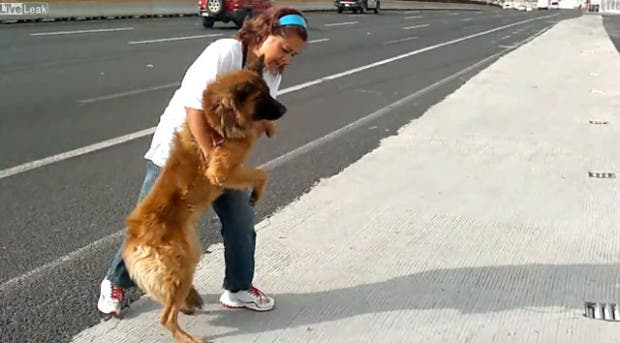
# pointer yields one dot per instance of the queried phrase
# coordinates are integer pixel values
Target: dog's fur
(162, 248)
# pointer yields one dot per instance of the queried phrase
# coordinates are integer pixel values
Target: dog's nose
(281, 109)
(277, 109)
(270, 109)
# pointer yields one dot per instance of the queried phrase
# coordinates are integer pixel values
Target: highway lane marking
(77, 254)
(19, 169)
(154, 88)
(318, 40)
(400, 40)
(342, 24)
(415, 26)
(81, 31)
(172, 39)
(131, 92)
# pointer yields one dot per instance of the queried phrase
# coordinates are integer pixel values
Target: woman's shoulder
(226, 44)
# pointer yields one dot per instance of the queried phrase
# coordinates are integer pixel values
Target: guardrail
(610, 6)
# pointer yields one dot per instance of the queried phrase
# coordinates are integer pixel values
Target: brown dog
(162, 248)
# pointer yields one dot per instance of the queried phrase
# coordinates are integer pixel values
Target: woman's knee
(234, 210)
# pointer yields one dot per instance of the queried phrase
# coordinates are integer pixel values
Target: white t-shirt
(221, 56)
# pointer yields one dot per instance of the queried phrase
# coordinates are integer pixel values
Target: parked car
(542, 4)
(593, 5)
(226, 11)
(358, 5)
(523, 7)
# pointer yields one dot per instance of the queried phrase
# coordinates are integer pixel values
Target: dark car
(231, 10)
(360, 6)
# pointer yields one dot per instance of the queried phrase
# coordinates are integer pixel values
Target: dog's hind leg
(163, 317)
(193, 302)
(173, 305)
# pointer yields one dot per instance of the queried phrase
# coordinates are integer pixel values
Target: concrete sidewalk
(477, 222)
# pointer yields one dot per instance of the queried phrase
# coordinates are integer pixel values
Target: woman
(279, 34)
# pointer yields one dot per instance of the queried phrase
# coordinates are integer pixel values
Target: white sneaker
(253, 299)
(110, 299)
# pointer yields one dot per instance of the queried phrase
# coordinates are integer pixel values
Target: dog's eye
(243, 91)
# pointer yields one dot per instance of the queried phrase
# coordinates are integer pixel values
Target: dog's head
(236, 99)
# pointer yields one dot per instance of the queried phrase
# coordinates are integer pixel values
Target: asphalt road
(63, 90)
(612, 25)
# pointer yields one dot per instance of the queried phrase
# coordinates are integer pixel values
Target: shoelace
(118, 293)
(257, 293)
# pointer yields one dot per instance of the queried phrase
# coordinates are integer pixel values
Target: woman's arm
(199, 128)
(216, 58)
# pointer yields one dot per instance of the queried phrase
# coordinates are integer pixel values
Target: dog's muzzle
(270, 110)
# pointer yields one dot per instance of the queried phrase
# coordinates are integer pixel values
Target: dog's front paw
(216, 178)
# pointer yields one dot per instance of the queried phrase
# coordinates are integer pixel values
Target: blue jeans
(237, 219)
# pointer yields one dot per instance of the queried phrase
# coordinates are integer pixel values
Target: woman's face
(279, 51)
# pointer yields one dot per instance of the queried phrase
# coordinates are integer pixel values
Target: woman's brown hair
(256, 29)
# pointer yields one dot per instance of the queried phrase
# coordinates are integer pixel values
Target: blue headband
(292, 19)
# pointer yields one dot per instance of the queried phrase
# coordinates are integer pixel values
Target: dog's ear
(257, 66)
(227, 113)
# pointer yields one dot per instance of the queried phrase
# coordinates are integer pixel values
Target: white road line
(81, 31)
(414, 17)
(411, 12)
(57, 158)
(170, 39)
(131, 92)
(281, 159)
(343, 23)
(466, 19)
(318, 40)
(400, 40)
(278, 161)
(415, 27)
(544, 29)
(74, 153)
(505, 37)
